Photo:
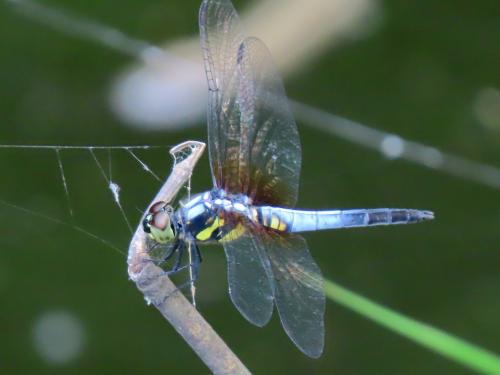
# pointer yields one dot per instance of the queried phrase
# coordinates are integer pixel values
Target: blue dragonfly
(255, 159)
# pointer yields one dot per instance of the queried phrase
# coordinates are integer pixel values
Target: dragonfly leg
(193, 272)
(194, 265)
(198, 254)
(179, 251)
(174, 270)
(165, 253)
(178, 289)
(168, 255)
(178, 260)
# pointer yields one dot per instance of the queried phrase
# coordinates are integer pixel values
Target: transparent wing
(250, 278)
(268, 130)
(253, 139)
(299, 294)
(255, 150)
(221, 36)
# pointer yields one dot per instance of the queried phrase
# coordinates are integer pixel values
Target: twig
(159, 290)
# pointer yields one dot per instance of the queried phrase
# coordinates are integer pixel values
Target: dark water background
(418, 76)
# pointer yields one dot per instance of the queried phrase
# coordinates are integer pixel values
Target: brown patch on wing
(262, 188)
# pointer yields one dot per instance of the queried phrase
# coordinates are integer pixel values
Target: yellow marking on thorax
(206, 233)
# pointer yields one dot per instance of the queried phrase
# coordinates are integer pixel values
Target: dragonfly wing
(250, 278)
(253, 140)
(299, 294)
(221, 36)
(268, 128)
(255, 150)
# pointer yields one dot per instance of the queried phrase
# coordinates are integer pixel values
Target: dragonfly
(255, 160)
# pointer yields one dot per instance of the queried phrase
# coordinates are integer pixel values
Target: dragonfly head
(158, 223)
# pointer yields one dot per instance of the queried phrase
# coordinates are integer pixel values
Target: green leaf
(449, 346)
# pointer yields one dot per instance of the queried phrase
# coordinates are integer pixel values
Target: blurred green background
(419, 74)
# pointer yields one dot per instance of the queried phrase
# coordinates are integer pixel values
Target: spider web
(105, 169)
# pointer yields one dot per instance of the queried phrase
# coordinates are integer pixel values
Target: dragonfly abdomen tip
(425, 215)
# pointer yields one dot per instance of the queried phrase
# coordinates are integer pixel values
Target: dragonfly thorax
(205, 217)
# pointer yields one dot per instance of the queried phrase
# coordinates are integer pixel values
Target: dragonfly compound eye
(157, 207)
(160, 227)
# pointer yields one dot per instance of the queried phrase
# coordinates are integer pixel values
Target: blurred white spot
(111, 36)
(153, 54)
(58, 337)
(169, 91)
(432, 157)
(369, 21)
(392, 146)
(487, 107)
(161, 97)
